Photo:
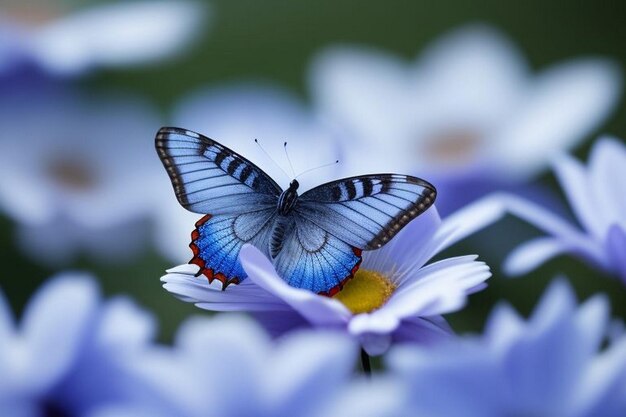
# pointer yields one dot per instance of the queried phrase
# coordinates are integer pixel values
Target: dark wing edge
(198, 146)
(357, 189)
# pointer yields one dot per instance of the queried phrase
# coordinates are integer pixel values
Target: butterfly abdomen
(283, 225)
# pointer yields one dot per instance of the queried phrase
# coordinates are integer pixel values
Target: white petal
(378, 321)
(532, 254)
(317, 309)
(577, 96)
(467, 221)
(438, 288)
(118, 34)
(246, 296)
(54, 324)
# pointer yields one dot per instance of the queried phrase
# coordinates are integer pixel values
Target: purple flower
(77, 173)
(63, 42)
(469, 115)
(395, 296)
(549, 365)
(227, 366)
(597, 196)
(70, 352)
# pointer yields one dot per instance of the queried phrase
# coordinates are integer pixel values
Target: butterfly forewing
(210, 178)
(366, 211)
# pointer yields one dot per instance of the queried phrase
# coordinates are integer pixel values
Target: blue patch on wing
(315, 260)
(216, 250)
(217, 240)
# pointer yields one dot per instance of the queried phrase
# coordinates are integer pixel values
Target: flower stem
(365, 362)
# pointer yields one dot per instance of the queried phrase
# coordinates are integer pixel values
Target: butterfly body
(314, 239)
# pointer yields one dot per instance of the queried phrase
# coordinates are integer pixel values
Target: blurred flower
(468, 115)
(597, 196)
(227, 366)
(235, 115)
(70, 353)
(76, 173)
(550, 365)
(68, 42)
(392, 298)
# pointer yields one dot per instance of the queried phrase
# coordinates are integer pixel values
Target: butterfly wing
(314, 259)
(210, 178)
(366, 211)
(335, 221)
(239, 197)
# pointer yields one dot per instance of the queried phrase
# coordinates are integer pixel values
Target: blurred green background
(275, 39)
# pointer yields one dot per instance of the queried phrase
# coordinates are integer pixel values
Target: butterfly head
(293, 185)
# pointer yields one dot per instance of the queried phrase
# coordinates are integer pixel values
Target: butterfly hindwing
(366, 211)
(217, 240)
(210, 178)
(313, 259)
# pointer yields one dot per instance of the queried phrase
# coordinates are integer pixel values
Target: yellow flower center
(366, 292)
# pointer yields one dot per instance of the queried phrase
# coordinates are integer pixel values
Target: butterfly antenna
(316, 168)
(289, 160)
(272, 159)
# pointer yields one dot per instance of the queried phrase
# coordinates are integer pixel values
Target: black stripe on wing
(367, 211)
(208, 177)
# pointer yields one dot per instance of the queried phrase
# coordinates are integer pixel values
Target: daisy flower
(235, 115)
(305, 374)
(69, 353)
(76, 173)
(395, 296)
(597, 196)
(469, 112)
(66, 42)
(553, 364)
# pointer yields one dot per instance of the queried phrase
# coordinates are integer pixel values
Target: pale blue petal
(306, 371)
(534, 253)
(616, 248)
(576, 95)
(55, 323)
(607, 175)
(118, 34)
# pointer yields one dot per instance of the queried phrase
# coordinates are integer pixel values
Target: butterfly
(314, 240)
